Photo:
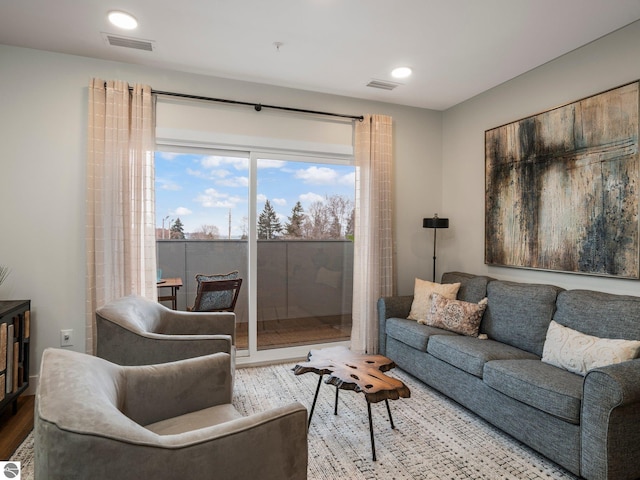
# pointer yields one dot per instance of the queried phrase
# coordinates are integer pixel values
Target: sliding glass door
(285, 223)
(304, 251)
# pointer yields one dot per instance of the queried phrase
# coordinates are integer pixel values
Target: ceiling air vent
(382, 84)
(128, 42)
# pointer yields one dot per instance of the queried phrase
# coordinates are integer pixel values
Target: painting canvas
(562, 188)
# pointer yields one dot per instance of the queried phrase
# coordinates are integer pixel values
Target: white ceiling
(457, 48)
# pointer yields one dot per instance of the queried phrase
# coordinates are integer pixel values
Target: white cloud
(168, 185)
(212, 198)
(311, 197)
(318, 175)
(261, 198)
(166, 156)
(181, 211)
(210, 174)
(214, 161)
(279, 201)
(349, 179)
(271, 163)
(234, 182)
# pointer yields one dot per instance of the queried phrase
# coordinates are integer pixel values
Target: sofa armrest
(391, 307)
(158, 392)
(125, 347)
(611, 422)
(198, 323)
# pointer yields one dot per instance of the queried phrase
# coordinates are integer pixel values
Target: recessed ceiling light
(123, 20)
(401, 72)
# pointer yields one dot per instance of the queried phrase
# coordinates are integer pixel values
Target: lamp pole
(435, 223)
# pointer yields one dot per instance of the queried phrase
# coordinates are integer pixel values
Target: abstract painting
(561, 188)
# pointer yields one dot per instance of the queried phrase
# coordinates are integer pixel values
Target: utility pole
(229, 236)
(163, 225)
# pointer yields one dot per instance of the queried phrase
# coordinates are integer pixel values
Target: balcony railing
(304, 287)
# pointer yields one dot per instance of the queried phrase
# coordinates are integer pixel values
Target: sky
(207, 190)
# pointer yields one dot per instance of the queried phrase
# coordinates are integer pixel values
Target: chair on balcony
(134, 330)
(217, 296)
(217, 292)
(97, 420)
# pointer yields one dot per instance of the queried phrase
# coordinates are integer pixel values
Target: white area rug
(434, 437)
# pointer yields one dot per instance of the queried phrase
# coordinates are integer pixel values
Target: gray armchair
(98, 420)
(133, 330)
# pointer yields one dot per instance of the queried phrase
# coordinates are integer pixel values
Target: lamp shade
(435, 222)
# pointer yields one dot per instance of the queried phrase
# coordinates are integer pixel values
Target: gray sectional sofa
(588, 424)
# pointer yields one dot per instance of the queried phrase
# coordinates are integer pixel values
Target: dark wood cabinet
(15, 335)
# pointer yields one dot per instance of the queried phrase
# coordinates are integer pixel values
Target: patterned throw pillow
(422, 292)
(578, 352)
(456, 315)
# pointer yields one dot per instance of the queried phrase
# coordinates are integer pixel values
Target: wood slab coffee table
(352, 371)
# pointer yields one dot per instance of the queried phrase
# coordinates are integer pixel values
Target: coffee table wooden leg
(313, 406)
(373, 442)
(335, 407)
(389, 412)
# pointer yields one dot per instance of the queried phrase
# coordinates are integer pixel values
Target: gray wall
(598, 66)
(43, 129)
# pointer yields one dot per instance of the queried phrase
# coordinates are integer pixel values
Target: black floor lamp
(435, 223)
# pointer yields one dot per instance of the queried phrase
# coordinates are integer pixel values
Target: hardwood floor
(15, 428)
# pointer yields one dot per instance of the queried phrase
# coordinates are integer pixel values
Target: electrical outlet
(66, 338)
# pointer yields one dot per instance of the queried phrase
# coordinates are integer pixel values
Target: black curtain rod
(256, 106)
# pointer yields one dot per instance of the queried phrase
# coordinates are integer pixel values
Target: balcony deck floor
(297, 331)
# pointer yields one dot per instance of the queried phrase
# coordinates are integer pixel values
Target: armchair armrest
(198, 323)
(278, 437)
(158, 392)
(391, 307)
(271, 445)
(120, 345)
(611, 422)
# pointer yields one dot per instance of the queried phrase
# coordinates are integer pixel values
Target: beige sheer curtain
(373, 245)
(120, 220)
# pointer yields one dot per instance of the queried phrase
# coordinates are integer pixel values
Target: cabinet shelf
(15, 333)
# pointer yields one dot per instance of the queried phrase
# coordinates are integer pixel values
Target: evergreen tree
(294, 227)
(268, 224)
(177, 230)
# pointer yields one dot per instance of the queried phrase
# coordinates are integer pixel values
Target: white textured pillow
(577, 352)
(422, 292)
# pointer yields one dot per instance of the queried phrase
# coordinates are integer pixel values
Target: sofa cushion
(423, 290)
(455, 315)
(470, 353)
(539, 385)
(578, 352)
(603, 315)
(473, 288)
(519, 314)
(411, 333)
